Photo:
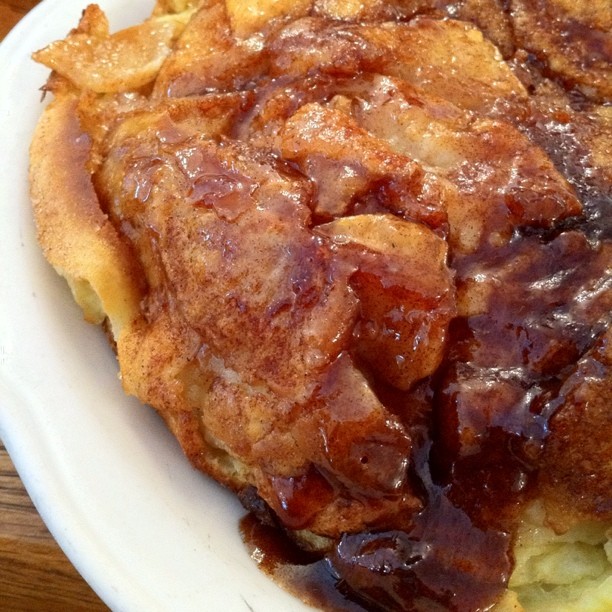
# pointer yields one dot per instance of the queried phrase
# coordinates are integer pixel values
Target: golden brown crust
(77, 237)
(580, 444)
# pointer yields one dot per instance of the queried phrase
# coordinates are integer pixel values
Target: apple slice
(406, 293)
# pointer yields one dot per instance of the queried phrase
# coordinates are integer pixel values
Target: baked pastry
(358, 257)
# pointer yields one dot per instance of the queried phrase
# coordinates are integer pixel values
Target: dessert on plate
(358, 256)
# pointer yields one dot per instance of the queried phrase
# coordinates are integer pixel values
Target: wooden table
(11, 11)
(34, 572)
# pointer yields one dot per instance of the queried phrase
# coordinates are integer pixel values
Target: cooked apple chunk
(92, 58)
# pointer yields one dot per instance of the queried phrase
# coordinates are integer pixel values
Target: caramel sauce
(480, 428)
(307, 576)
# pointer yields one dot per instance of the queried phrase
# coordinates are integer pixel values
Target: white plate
(144, 529)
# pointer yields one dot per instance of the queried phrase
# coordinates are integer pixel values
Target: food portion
(357, 255)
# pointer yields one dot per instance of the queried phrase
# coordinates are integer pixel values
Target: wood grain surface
(11, 11)
(34, 572)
